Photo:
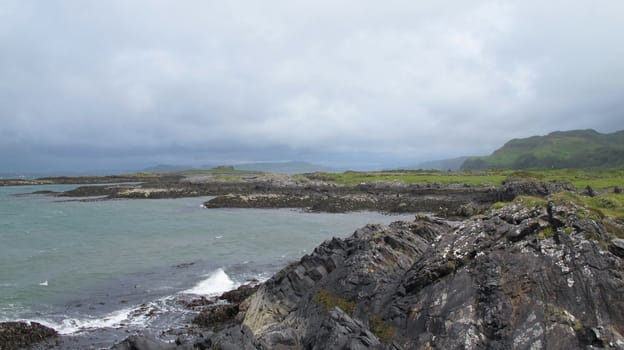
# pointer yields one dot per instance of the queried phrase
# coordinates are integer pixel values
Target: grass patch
(614, 229)
(330, 300)
(531, 202)
(546, 233)
(499, 205)
(598, 180)
(412, 177)
(527, 201)
(598, 207)
(580, 179)
(607, 209)
(381, 329)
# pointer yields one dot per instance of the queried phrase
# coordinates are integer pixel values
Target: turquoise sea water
(77, 265)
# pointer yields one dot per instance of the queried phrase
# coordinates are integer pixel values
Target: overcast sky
(88, 85)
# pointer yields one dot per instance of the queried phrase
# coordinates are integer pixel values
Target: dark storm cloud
(141, 82)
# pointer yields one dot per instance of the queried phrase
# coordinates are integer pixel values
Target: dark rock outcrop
(515, 278)
(146, 343)
(617, 247)
(514, 187)
(20, 335)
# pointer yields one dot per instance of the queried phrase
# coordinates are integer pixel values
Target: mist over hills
(579, 149)
(452, 164)
(286, 167)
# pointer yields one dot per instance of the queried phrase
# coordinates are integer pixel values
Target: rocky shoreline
(518, 277)
(20, 335)
(533, 272)
(529, 275)
(309, 193)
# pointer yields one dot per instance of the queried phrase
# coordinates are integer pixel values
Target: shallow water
(84, 266)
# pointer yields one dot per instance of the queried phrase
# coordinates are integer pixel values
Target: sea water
(80, 266)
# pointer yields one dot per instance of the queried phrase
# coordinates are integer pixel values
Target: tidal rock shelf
(276, 191)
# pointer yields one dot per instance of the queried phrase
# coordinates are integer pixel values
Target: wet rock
(196, 303)
(217, 315)
(239, 294)
(136, 342)
(19, 335)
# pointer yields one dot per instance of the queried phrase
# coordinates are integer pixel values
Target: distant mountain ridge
(290, 167)
(287, 167)
(452, 164)
(560, 149)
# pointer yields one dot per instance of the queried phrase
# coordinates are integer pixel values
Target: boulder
(19, 335)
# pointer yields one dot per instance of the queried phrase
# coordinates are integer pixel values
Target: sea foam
(74, 325)
(216, 283)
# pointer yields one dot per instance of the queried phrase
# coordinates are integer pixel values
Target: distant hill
(560, 149)
(165, 168)
(292, 167)
(453, 164)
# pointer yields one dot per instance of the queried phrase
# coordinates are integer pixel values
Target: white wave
(44, 283)
(72, 325)
(216, 283)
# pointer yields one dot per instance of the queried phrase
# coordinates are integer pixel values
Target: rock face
(517, 278)
(19, 335)
(519, 186)
(543, 277)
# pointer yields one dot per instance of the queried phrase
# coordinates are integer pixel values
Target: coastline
(519, 275)
(310, 192)
(375, 288)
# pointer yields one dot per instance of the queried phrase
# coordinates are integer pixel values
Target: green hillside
(580, 149)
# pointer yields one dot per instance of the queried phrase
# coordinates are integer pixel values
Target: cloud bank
(125, 84)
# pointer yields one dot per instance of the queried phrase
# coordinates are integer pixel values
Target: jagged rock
(198, 303)
(617, 247)
(340, 331)
(239, 294)
(515, 278)
(519, 186)
(589, 191)
(19, 335)
(136, 342)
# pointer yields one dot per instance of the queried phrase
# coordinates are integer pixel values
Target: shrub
(330, 300)
(381, 329)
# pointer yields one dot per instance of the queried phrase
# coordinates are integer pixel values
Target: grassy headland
(561, 149)
(598, 180)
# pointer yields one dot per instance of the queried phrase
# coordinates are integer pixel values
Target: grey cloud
(352, 82)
